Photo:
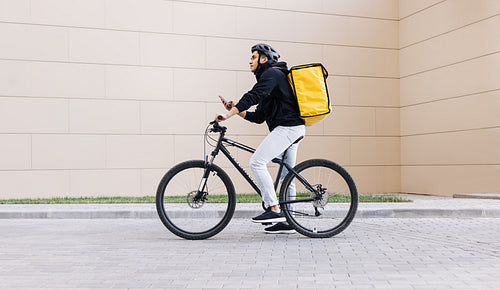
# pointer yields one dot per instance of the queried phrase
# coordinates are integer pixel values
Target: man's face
(254, 60)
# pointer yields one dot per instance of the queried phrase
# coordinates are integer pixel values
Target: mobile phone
(226, 103)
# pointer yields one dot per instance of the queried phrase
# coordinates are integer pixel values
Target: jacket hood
(270, 63)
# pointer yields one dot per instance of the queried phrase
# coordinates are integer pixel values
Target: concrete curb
(429, 213)
(420, 207)
(492, 195)
(148, 214)
(77, 214)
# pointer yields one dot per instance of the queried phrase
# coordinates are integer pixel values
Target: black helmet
(270, 52)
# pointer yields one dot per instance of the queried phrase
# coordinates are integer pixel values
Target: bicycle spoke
(192, 214)
(329, 208)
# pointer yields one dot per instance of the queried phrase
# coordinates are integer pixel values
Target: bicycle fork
(203, 182)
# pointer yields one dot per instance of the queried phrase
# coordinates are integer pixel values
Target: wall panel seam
(370, 165)
(450, 131)
(448, 165)
(450, 98)
(286, 10)
(31, 151)
(363, 106)
(449, 31)
(106, 150)
(364, 76)
(450, 64)
(423, 9)
(199, 35)
(176, 67)
(194, 135)
(165, 101)
(85, 169)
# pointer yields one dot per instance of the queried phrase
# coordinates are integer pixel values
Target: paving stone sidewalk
(453, 244)
(374, 253)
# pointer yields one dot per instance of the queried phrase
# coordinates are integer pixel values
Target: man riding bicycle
(276, 105)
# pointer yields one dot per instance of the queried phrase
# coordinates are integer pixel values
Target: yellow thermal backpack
(308, 84)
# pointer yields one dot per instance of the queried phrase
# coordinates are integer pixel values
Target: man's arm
(260, 90)
(229, 105)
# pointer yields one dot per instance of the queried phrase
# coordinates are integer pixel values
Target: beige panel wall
(450, 96)
(101, 97)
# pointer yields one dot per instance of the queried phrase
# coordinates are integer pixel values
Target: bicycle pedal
(266, 224)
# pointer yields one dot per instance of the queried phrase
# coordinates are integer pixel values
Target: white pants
(273, 146)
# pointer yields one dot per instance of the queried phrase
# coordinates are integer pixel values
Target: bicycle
(196, 199)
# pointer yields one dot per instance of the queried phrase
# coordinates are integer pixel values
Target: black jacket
(273, 96)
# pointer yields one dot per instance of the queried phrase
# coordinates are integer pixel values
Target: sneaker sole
(281, 232)
(274, 220)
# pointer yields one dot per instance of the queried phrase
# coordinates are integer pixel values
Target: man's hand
(221, 117)
(227, 104)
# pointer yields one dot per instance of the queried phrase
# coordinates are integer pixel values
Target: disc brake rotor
(195, 204)
(321, 196)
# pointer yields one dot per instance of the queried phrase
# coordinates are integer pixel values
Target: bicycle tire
(336, 207)
(195, 220)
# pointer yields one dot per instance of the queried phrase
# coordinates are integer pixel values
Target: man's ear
(263, 58)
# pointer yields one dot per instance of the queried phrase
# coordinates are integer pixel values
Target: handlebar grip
(219, 117)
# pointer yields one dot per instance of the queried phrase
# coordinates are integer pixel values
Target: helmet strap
(258, 61)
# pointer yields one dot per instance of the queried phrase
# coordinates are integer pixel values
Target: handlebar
(216, 127)
(218, 118)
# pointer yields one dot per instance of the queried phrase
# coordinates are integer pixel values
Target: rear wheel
(333, 193)
(185, 215)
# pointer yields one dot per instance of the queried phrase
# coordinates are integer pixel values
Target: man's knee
(256, 163)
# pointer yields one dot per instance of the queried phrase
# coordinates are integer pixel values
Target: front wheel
(321, 200)
(187, 214)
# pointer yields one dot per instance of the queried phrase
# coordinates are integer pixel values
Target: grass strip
(240, 198)
(80, 200)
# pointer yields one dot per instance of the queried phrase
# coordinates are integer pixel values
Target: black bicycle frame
(221, 147)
